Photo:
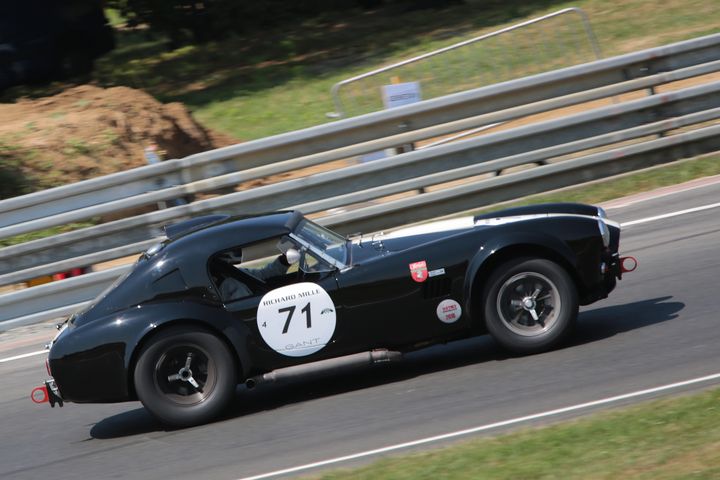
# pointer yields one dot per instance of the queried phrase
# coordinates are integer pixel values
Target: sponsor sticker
(419, 271)
(435, 273)
(448, 311)
(296, 320)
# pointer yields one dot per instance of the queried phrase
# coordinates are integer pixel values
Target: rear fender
(152, 319)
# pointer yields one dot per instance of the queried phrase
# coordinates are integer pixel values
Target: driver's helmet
(233, 257)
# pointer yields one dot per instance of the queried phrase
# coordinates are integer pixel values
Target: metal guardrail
(51, 300)
(629, 130)
(128, 236)
(358, 135)
(428, 76)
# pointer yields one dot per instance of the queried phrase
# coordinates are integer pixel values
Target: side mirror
(292, 256)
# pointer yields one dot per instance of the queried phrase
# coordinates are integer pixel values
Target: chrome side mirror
(292, 256)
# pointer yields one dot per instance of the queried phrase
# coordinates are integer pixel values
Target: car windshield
(324, 240)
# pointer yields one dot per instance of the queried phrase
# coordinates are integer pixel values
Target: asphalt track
(660, 326)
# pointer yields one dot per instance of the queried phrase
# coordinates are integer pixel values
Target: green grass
(677, 438)
(49, 232)
(270, 82)
(114, 17)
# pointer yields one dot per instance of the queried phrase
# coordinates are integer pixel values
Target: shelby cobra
(229, 300)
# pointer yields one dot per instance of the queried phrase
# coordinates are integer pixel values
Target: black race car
(229, 300)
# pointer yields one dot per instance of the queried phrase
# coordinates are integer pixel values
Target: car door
(294, 318)
(400, 299)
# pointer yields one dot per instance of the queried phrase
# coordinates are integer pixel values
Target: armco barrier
(483, 154)
(458, 107)
(650, 122)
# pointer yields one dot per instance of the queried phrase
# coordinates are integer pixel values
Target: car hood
(370, 246)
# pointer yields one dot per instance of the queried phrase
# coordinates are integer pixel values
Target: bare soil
(87, 131)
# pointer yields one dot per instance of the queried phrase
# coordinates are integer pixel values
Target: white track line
(671, 214)
(24, 355)
(490, 426)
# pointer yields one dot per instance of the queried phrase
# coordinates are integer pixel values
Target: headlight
(601, 212)
(604, 232)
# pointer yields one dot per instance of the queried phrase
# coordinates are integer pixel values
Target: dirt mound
(88, 131)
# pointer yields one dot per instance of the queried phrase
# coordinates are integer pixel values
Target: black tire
(180, 396)
(517, 289)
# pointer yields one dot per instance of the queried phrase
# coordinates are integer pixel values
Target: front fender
(537, 243)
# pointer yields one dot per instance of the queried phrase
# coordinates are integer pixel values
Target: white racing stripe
(432, 227)
(490, 426)
(24, 355)
(469, 222)
(671, 214)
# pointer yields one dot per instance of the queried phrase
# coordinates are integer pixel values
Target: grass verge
(48, 232)
(665, 439)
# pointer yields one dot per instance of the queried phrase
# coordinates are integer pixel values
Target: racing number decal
(296, 320)
(290, 310)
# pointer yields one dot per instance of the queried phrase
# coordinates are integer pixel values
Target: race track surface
(660, 326)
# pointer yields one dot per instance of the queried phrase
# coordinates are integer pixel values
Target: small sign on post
(396, 95)
(399, 94)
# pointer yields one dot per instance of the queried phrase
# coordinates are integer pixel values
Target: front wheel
(185, 376)
(530, 305)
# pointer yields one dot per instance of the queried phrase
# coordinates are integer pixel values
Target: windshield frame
(319, 249)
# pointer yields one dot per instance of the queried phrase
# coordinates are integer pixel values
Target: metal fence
(553, 41)
(587, 144)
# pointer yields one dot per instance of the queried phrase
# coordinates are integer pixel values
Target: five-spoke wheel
(530, 304)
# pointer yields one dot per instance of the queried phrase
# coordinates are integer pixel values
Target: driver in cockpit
(232, 288)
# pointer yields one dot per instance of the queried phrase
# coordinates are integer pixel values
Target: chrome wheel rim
(185, 375)
(528, 304)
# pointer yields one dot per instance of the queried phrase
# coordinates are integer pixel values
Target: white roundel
(449, 311)
(296, 320)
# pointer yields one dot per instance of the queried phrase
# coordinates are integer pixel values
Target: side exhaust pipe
(331, 365)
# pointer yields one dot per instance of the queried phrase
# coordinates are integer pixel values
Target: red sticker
(419, 271)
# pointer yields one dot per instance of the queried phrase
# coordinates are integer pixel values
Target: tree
(202, 20)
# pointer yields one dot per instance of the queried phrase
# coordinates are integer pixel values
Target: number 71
(291, 310)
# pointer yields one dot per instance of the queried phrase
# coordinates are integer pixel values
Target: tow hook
(628, 264)
(48, 393)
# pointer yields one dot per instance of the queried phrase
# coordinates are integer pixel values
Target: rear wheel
(530, 305)
(185, 376)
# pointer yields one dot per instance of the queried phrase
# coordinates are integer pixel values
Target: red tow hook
(40, 395)
(628, 264)
(47, 394)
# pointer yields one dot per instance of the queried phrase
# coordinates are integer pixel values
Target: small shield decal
(419, 271)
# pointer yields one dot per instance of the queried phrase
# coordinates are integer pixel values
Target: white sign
(296, 320)
(395, 95)
(399, 94)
